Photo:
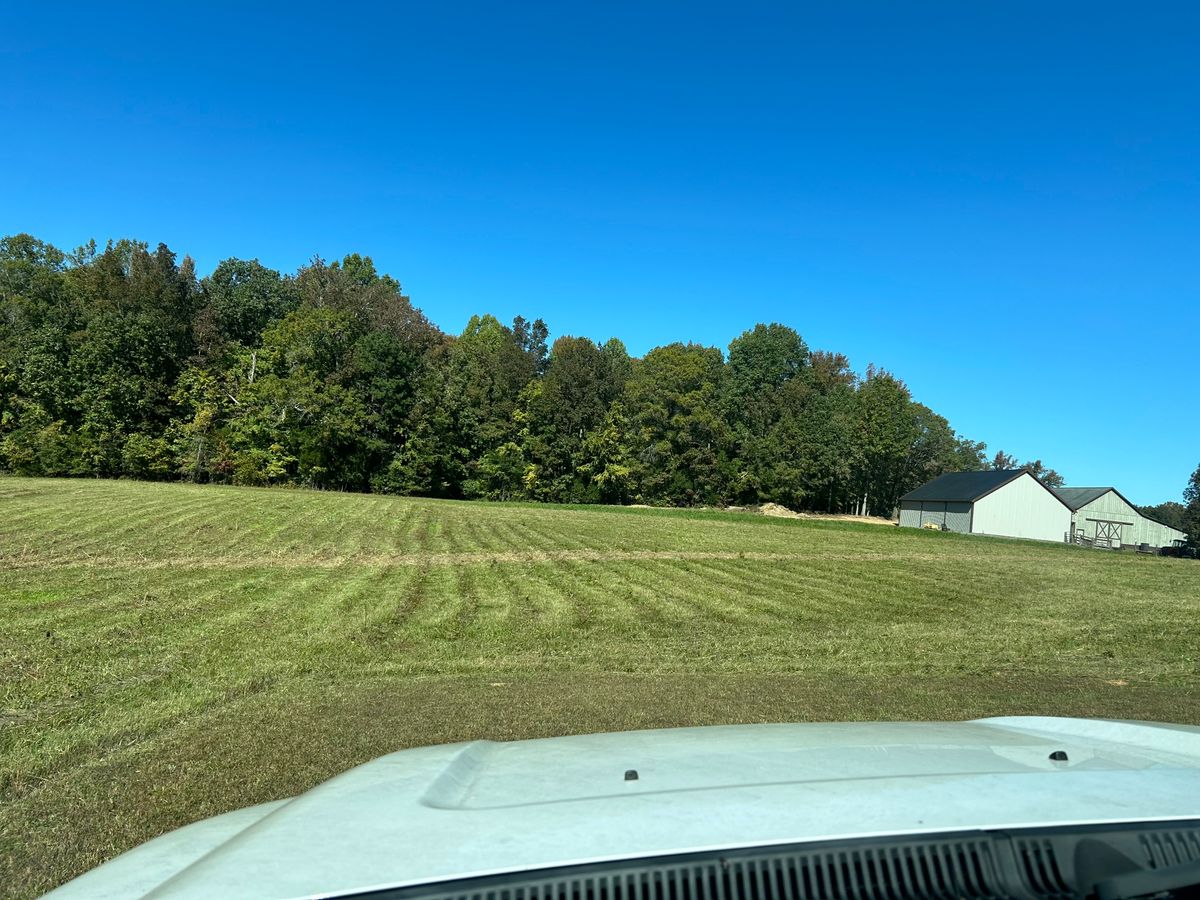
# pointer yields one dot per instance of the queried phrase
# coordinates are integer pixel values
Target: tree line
(123, 362)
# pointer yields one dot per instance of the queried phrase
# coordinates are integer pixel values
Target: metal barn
(1101, 516)
(1008, 502)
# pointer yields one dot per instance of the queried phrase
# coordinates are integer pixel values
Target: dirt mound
(781, 512)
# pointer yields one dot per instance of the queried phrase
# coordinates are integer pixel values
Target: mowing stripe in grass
(205, 644)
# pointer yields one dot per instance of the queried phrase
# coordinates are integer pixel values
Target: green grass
(170, 652)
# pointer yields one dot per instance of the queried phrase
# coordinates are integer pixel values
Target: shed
(1008, 502)
(1103, 516)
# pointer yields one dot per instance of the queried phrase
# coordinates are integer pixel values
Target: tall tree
(531, 337)
(38, 316)
(1191, 499)
(137, 336)
(682, 444)
(464, 408)
(885, 433)
(765, 393)
(761, 362)
(240, 299)
(1043, 473)
(1003, 461)
(967, 456)
(572, 398)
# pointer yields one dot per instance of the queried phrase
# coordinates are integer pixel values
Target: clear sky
(998, 202)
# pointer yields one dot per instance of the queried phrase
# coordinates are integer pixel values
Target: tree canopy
(122, 362)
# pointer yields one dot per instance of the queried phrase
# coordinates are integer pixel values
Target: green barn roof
(1079, 497)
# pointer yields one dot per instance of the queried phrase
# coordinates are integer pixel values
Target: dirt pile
(782, 512)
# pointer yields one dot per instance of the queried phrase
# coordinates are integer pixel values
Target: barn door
(1108, 534)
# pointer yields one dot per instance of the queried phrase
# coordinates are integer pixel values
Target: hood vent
(1171, 848)
(952, 869)
(892, 873)
(977, 865)
(1040, 868)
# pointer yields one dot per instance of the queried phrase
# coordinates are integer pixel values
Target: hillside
(170, 652)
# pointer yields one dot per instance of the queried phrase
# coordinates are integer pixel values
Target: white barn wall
(1022, 508)
(1156, 534)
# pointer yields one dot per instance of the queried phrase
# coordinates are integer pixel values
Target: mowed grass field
(170, 652)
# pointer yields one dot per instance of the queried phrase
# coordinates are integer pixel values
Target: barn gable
(1005, 502)
(1024, 508)
(1102, 516)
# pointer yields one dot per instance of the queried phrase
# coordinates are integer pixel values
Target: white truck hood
(437, 813)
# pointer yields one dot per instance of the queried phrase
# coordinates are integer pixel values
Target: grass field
(170, 652)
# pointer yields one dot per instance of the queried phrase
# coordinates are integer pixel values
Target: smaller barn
(1102, 517)
(1008, 502)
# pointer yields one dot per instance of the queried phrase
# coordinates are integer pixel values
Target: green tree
(1191, 499)
(432, 456)
(885, 433)
(241, 298)
(606, 460)
(933, 451)
(196, 436)
(967, 456)
(571, 399)
(1043, 473)
(38, 314)
(135, 339)
(530, 338)
(500, 474)
(464, 407)
(294, 397)
(1003, 461)
(764, 391)
(761, 361)
(682, 443)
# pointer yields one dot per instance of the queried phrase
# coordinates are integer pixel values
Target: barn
(1102, 517)
(1008, 502)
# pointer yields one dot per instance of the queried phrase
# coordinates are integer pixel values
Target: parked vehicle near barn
(1180, 550)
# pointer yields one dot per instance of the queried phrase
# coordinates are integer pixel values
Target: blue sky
(998, 202)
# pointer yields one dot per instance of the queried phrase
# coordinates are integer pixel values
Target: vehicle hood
(479, 808)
